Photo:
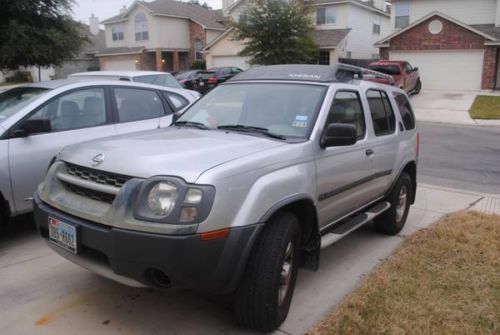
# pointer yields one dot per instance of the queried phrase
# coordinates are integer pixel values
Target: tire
(393, 220)
(263, 299)
(418, 87)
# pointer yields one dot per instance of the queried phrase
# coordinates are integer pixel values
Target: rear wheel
(265, 292)
(393, 220)
(418, 87)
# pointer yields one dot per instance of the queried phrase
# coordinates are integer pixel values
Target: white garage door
(119, 65)
(235, 61)
(446, 69)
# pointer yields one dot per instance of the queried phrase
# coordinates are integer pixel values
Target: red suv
(405, 76)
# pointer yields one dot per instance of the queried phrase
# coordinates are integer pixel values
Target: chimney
(497, 17)
(123, 9)
(94, 24)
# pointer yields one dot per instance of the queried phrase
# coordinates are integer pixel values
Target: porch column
(175, 60)
(159, 63)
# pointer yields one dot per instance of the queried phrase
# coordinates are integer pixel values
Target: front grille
(99, 177)
(91, 194)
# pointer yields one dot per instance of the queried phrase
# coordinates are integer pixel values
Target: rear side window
(384, 121)
(346, 108)
(177, 101)
(405, 110)
(137, 104)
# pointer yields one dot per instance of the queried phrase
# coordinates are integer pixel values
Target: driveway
(42, 293)
(448, 107)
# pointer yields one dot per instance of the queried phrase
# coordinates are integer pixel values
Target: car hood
(174, 151)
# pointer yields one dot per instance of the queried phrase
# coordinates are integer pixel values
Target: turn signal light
(215, 234)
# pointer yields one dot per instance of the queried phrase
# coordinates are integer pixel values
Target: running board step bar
(352, 224)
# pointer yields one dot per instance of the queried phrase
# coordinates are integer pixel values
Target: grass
(485, 107)
(442, 280)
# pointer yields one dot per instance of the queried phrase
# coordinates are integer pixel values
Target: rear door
(138, 109)
(75, 116)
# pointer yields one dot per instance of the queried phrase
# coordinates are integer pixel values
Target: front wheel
(393, 220)
(265, 292)
(418, 87)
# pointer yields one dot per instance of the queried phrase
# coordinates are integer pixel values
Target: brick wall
(489, 68)
(451, 37)
(195, 31)
(147, 61)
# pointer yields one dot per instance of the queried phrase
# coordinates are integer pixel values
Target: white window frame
(330, 15)
(401, 14)
(141, 27)
(117, 33)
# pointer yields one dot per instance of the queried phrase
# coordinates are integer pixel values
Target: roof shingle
(329, 38)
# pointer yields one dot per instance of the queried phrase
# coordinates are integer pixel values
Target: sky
(103, 9)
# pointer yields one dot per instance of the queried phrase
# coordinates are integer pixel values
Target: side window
(408, 67)
(137, 104)
(78, 109)
(177, 101)
(235, 70)
(346, 108)
(384, 121)
(405, 110)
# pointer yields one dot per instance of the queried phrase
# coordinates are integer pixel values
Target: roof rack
(304, 72)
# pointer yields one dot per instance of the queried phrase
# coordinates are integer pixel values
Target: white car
(37, 120)
(164, 79)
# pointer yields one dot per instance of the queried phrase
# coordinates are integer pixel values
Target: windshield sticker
(301, 118)
(299, 124)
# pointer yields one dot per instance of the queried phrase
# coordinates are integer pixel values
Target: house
(344, 29)
(162, 35)
(86, 59)
(454, 43)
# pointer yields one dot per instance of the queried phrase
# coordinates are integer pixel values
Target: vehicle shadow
(19, 228)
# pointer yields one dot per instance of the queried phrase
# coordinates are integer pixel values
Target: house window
(376, 28)
(141, 27)
(324, 57)
(198, 46)
(402, 14)
(348, 54)
(117, 33)
(325, 15)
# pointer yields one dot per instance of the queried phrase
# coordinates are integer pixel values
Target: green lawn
(485, 107)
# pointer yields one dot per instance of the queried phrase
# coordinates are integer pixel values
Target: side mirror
(415, 69)
(338, 135)
(32, 126)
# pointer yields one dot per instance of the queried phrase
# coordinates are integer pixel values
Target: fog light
(188, 214)
(193, 196)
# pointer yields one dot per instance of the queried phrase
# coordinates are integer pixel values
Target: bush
(20, 77)
(199, 65)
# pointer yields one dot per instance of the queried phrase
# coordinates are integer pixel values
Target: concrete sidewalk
(42, 293)
(448, 107)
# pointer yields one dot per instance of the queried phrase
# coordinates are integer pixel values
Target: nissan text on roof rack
(248, 185)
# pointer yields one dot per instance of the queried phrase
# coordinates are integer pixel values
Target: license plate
(63, 234)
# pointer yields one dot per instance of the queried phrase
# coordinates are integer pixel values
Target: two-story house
(454, 43)
(344, 29)
(162, 35)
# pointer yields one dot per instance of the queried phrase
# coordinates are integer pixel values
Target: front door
(343, 173)
(75, 116)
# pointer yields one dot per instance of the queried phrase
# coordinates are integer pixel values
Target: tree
(37, 32)
(277, 32)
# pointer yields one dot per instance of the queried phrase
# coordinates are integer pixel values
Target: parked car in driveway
(164, 79)
(405, 76)
(208, 79)
(38, 120)
(248, 184)
(187, 78)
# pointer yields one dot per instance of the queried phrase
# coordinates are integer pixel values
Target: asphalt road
(463, 157)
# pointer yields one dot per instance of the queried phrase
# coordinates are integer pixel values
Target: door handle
(369, 152)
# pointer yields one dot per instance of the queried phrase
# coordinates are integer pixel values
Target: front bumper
(213, 266)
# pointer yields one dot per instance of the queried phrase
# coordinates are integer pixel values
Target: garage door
(235, 61)
(118, 65)
(446, 69)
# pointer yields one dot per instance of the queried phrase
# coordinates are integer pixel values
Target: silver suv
(249, 184)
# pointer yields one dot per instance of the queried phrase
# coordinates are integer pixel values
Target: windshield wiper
(252, 129)
(192, 124)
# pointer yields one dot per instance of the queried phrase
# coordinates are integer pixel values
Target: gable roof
(329, 38)
(207, 18)
(384, 42)
(490, 30)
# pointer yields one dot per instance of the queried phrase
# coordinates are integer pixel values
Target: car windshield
(275, 109)
(13, 100)
(387, 69)
(159, 79)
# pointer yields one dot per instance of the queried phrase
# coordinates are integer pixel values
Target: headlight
(162, 198)
(172, 200)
